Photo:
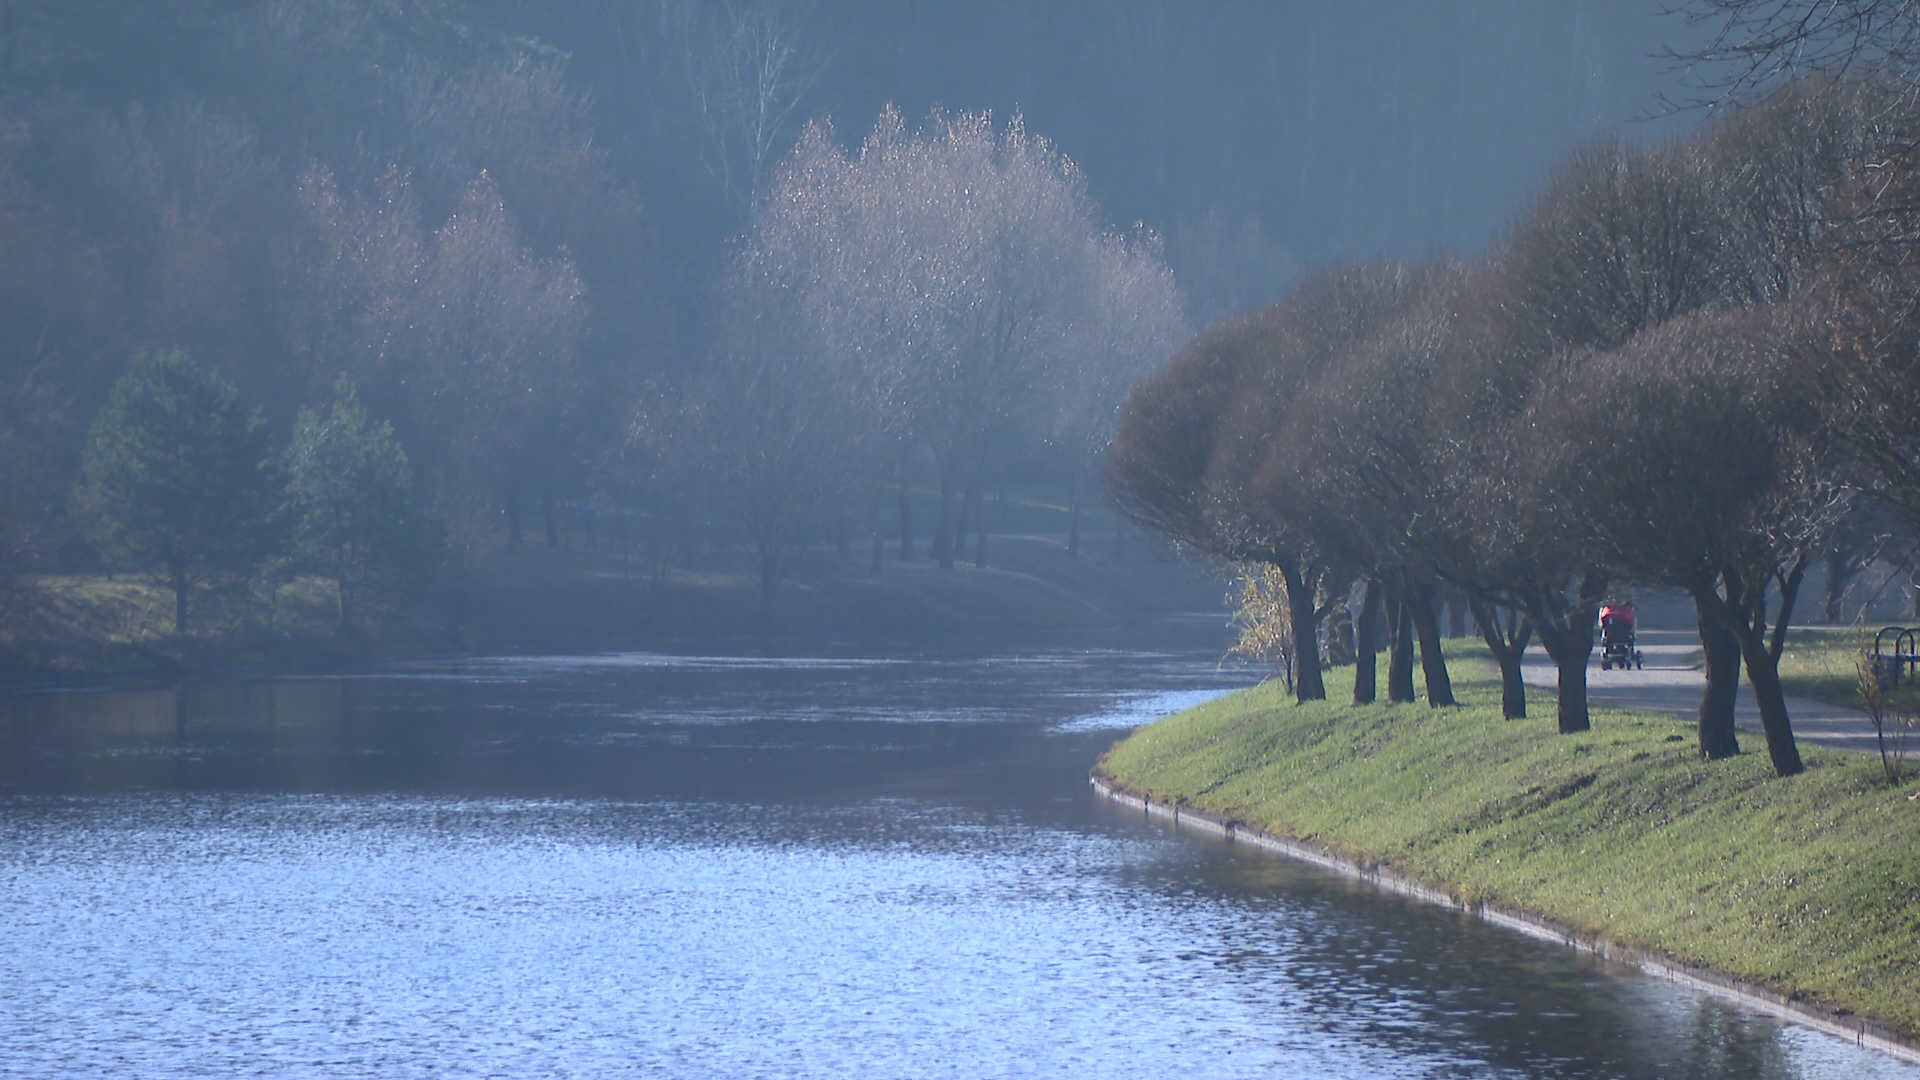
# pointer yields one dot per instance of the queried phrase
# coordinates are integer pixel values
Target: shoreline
(1203, 624)
(87, 630)
(1861, 1031)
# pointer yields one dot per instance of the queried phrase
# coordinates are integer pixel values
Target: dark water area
(651, 865)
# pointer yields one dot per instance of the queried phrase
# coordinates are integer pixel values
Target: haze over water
(635, 865)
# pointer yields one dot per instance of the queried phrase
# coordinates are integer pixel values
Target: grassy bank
(1808, 886)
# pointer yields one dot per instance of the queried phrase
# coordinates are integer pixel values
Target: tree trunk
(1570, 649)
(1073, 518)
(906, 523)
(1763, 671)
(1399, 647)
(772, 571)
(1433, 665)
(1743, 612)
(1339, 632)
(1718, 700)
(1456, 615)
(1508, 644)
(1307, 684)
(180, 588)
(1839, 576)
(943, 531)
(962, 525)
(1365, 667)
(977, 510)
(1567, 635)
(1573, 693)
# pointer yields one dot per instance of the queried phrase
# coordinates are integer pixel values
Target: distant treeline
(400, 209)
(312, 190)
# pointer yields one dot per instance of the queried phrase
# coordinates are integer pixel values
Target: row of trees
(1683, 366)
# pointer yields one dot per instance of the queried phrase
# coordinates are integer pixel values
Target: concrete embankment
(1870, 1034)
(1796, 896)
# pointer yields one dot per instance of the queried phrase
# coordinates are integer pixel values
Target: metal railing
(1898, 666)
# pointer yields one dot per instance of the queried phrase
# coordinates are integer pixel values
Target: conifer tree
(351, 503)
(178, 477)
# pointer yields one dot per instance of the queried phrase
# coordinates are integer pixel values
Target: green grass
(1809, 886)
(1819, 664)
(69, 625)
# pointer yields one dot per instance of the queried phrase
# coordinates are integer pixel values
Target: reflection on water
(644, 865)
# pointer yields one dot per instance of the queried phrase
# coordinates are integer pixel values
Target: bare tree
(1361, 459)
(1785, 163)
(468, 338)
(1164, 468)
(1700, 458)
(1751, 46)
(731, 75)
(957, 280)
(1867, 534)
(1204, 455)
(1870, 291)
(1137, 325)
(785, 403)
(1623, 238)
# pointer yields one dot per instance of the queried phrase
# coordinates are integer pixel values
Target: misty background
(513, 235)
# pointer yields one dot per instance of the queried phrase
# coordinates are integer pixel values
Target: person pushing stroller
(1619, 646)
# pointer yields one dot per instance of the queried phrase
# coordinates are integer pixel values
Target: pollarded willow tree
(1208, 449)
(947, 290)
(1699, 457)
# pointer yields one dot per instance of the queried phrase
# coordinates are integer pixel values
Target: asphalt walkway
(1670, 683)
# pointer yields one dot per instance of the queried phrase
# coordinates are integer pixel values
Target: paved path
(1670, 683)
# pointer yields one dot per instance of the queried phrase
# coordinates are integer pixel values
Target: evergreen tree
(351, 502)
(178, 477)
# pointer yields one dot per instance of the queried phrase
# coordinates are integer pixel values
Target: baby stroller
(1618, 647)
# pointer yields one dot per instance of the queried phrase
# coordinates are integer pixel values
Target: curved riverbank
(1798, 897)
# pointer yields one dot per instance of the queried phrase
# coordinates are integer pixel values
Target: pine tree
(178, 477)
(351, 503)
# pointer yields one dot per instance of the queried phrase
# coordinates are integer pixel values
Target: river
(721, 866)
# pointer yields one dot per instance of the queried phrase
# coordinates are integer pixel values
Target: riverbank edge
(78, 631)
(1863, 1032)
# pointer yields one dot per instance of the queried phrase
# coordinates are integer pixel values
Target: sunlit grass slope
(1809, 886)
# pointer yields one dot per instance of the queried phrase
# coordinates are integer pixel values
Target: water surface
(647, 865)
